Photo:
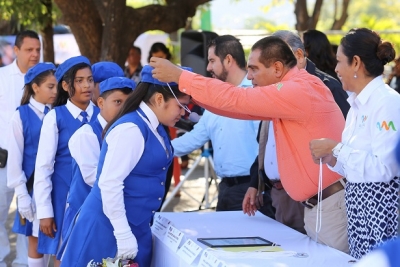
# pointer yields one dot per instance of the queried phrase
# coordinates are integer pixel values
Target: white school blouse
(125, 137)
(370, 135)
(44, 166)
(85, 149)
(16, 177)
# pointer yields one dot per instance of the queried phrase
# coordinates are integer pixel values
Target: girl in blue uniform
(114, 220)
(73, 107)
(39, 94)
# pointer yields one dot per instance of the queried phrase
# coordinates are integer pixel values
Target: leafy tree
(308, 12)
(33, 14)
(105, 29)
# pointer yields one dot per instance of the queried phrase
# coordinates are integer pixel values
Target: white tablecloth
(235, 224)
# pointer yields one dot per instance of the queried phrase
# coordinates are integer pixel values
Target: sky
(228, 14)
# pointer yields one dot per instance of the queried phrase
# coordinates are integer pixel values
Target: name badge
(189, 251)
(208, 260)
(173, 238)
(160, 226)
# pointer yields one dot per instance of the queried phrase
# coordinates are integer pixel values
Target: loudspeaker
(194, 50)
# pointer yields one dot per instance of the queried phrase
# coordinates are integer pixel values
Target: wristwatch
(336, 150)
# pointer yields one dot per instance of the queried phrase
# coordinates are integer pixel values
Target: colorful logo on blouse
(386, 126)
(364, 118)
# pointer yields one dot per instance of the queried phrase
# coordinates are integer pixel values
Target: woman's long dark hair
(320, 52)
(28, 89)
(143, 92)
(69, 77)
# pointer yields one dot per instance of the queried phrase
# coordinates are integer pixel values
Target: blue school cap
(105, 69)
(69, 63)
(38, 69)
(116, 83)
(147, 77)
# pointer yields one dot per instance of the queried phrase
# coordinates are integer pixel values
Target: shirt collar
(102, 121)
(75, 111)
(245, 82)
(366, 93)
(39, 106)
(15, 69)
(150, 115)
(293, 71)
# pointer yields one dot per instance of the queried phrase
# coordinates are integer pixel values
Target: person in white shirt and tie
(27, 50)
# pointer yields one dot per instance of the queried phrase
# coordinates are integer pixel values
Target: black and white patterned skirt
(372, 211)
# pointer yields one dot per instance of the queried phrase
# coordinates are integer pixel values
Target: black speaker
(194, 50)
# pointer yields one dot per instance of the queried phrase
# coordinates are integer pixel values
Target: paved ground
(191, 195)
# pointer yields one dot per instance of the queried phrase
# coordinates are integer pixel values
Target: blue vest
(31, 125)
(144, 186)
(62, 175)
(79, 190)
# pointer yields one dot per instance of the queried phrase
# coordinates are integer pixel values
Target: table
(234, 224)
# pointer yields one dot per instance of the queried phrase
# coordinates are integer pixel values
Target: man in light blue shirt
(234, 141)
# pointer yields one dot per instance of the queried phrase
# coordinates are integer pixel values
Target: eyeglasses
(183, 106)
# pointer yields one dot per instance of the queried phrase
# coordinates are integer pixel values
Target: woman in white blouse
(365, 156)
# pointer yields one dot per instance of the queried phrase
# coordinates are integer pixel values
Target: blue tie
(84, 115)
(46, 110)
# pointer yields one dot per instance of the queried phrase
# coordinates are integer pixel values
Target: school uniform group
(88, 153)
(56, 153)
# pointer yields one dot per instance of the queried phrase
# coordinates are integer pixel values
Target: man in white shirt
(27, 51)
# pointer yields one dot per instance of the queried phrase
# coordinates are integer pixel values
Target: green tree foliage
(32, 14)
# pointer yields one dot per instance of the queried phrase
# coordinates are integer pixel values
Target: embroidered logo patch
(386, 126)
(278, 86)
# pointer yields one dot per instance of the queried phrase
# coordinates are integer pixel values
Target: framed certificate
(235, 242)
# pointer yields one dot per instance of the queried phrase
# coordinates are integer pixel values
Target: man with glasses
(234, 141)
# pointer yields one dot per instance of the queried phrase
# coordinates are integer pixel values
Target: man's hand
(164, 70)
(249, 202)
(48, 227)
(322, 149)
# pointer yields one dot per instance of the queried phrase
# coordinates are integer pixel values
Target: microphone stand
(209, 175)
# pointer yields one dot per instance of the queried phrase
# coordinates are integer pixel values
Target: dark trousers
(288, 211)
(230, 198)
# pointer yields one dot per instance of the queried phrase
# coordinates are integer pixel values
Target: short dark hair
(125, 91)
(229, 45)
(275, 49)
(19, 39)
(372, 50)
(137, 49)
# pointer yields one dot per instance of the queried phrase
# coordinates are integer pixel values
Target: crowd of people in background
(295, 107)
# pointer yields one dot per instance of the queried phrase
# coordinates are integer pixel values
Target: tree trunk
(302, 17)
(312, 22)
(116, 43)
(86, 25)
(338, 23)
(48, 33)
(105, 29)
(48, 43)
